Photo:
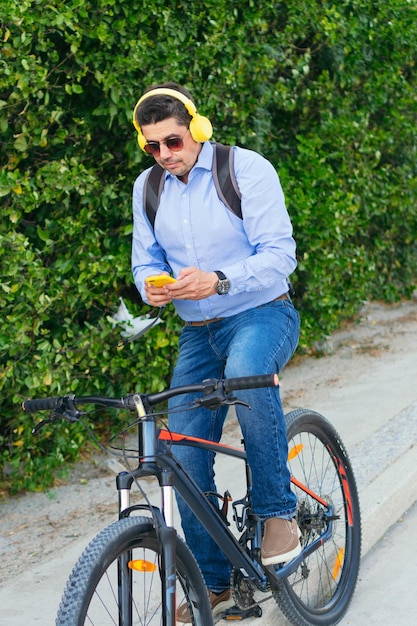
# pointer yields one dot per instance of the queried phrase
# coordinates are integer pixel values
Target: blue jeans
(257, 341)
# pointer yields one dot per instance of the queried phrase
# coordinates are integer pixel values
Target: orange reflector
(338, 563)
(295, 451)
(142, 566)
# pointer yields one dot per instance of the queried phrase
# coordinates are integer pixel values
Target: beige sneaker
(218, 604)
(281, 541)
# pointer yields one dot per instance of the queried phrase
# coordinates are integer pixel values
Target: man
(232, 293)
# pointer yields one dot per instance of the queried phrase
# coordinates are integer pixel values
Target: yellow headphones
(200, 126)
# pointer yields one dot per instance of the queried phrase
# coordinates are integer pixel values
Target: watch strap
(220, 275)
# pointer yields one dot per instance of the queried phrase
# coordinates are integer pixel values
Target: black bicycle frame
(213, 523)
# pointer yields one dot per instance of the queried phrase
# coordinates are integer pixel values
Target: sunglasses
(175, 144)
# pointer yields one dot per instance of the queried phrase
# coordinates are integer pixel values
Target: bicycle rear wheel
(319, 592)
(91, 596)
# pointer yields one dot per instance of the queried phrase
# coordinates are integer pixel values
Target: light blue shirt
(194, 228)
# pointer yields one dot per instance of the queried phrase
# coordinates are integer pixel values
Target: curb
(385, 467)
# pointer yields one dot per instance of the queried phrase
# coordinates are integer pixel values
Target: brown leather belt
(215, 319)
(283, 296)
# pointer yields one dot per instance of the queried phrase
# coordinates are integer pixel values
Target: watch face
(223, 287)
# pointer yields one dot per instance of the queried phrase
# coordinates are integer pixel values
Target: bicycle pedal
(236, 613)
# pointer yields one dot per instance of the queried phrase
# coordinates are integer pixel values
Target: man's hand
(156, 296)
(192, 284)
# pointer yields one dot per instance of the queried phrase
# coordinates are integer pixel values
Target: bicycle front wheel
(319, 592)
(129, 550)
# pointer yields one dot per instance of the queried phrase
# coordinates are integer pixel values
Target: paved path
(386, 593)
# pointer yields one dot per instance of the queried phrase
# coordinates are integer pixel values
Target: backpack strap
(152, 190)
(224, 180)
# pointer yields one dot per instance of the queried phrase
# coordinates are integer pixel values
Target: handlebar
(212, 389)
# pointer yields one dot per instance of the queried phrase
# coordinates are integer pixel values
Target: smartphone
(161, 280)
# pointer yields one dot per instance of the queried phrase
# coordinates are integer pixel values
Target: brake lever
(43, 423)
(214, 400)
(234, 400)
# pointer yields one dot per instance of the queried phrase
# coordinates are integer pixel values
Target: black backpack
(224, 180)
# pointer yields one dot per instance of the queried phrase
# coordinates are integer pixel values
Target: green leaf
(20, 144)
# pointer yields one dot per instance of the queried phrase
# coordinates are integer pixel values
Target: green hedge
(325, 90)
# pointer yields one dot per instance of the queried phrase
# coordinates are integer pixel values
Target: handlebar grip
(40, 404)
(251, 382)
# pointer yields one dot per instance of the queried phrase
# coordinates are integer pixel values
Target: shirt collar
(205, 158)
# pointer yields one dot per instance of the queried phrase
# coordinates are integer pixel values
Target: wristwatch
(223, 285)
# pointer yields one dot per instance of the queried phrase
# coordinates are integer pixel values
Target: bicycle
(138, 570)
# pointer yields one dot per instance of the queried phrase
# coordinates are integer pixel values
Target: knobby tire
(91, 594)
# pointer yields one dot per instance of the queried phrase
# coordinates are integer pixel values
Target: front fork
(167, 536)
(164, 526)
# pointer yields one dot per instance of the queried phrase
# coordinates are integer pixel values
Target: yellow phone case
(161, 280)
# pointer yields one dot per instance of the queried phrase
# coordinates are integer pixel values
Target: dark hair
(160, 107)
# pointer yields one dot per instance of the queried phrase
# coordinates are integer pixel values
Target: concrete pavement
(386, 593)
